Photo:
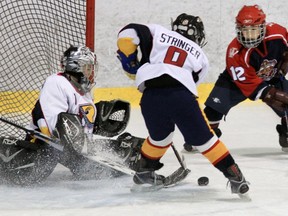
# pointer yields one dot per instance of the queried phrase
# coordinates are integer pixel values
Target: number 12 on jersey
(238, 73)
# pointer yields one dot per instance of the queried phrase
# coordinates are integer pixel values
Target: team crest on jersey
(267, 70)
(233, 51)
(87, 112)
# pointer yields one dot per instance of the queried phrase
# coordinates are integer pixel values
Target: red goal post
(34, 34)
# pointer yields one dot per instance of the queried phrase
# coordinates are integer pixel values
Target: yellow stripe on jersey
(153, 152)
(45, 131)
(126, 45)
(216, 153)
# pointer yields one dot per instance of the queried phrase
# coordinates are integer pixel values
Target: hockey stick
(285, 112)
(53, 142)
(180, 160)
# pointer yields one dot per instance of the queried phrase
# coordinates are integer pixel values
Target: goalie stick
(53, 142)
(172, 179)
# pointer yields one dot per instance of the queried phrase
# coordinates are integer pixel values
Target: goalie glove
(129, 63)
(282, 67)
(275, 98)
(112, 117)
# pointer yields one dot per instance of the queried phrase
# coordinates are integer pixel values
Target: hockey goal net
(34, 34)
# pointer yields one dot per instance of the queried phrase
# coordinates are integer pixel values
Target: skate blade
(176, 177)
(285, 149)
(145, 188)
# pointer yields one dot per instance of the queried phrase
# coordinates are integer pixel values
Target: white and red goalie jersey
(59, 95)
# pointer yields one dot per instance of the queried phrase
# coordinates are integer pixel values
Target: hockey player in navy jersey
(256, 65)
(171, 65)
(65, 109)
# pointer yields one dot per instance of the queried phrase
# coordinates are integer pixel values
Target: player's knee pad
(24, 166)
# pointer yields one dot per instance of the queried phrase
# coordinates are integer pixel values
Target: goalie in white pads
(65, 109)
(171, 66)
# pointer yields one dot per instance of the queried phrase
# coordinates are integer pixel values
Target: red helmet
(250, 15)
(250, 26)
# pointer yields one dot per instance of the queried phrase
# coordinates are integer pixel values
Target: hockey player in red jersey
(256, 65)
(171, 66)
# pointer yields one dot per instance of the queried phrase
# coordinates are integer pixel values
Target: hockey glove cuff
(275, 98)
(283, 64)
(129, 63)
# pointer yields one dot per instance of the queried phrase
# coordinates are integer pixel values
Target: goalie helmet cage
(34, 34)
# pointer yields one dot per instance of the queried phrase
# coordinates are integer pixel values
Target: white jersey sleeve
(59, 95)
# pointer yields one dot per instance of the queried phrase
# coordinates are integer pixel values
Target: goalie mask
(250, 26)
(80, 65)
(190, 27)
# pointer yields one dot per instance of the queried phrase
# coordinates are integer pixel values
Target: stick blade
(176, 177)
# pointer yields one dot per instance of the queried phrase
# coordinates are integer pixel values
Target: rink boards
(130, 94)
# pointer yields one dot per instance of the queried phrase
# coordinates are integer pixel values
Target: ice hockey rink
(249, 132)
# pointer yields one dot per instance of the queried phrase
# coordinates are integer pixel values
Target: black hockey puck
(203, 181)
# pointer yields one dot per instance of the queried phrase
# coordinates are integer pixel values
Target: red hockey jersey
(252, 69)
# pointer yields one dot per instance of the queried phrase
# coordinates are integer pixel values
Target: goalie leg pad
(83, 168)
(131, 148)
(126, 147)
(25, 166)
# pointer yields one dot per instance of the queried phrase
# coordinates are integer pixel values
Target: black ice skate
(283, 135)
(237, 181)
(147, 181)
(145, 171)
(148, 177)
(145, 178)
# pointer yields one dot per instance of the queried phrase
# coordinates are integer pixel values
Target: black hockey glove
(275, 98)
(112, 117)
(282, 66)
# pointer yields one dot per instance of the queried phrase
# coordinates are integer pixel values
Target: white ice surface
(249, 133)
